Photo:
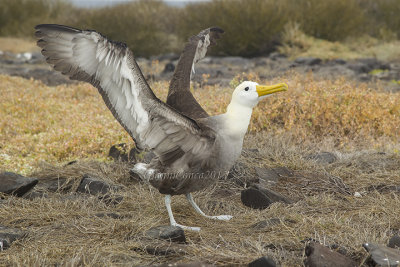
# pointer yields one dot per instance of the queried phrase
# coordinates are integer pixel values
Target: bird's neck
(237, 119)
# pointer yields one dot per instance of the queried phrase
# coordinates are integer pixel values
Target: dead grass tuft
(17, 45)
(65, 123)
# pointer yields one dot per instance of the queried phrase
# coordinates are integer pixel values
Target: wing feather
(179, 95)
(110, 66)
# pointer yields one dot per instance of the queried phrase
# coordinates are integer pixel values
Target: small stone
(15, 184)
(257, 197)
(309, 61)
(383, 255)
(169, 67)
(319, 255)
(94, 186)
(55, 185)
(263, 262)
(167, 232)
(357, 194)
(394, 241)
(9, 235)
(323, 157)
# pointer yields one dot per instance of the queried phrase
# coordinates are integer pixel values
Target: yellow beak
(270, 89)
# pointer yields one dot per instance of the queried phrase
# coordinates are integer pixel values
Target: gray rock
(9, 235)
(237, 61)
(309, 61)
(95, 186)
(263, 262)
(337, 61)
(167, 232)
(55, 185)
(48, 77)
(276, 55)
(260, 198)
(382, 255)
(394, 241)
(359, 67)
(323, 157)
(15, 184)
(169, 67)
(321, 256)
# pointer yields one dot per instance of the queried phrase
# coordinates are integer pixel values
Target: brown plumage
(179, 95)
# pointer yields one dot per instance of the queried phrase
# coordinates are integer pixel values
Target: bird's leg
(171, 216)
(220, 217)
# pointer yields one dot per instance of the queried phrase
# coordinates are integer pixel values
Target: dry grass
(17, 45)
(58, 124)
(295, 43)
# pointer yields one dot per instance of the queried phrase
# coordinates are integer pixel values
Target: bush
(332, 20)
(385, 18)
(18, 17)
(252, 27)
(145, 26)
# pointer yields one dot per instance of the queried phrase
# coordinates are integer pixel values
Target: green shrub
(386, 14)
(145, 26)
(332, 20)
(18, 17)
(252, 27)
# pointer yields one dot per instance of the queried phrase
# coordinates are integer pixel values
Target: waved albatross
(192, 149)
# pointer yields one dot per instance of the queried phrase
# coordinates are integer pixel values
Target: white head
(249, 93)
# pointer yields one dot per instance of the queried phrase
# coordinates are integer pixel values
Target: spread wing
(88, 56)
(179, 95)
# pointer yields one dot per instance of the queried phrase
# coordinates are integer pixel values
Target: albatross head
(248, 93)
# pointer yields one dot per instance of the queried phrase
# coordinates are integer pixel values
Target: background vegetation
(253, 27)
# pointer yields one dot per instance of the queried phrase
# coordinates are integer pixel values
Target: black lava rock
(15, 184)
(382, 255)
(94, 186)
(263, 262)
(167, 232)
(9, 235)
(260, 198)
(394, 241)
(319, 255)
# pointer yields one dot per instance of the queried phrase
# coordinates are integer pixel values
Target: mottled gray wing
(86, 55)
(179, 95)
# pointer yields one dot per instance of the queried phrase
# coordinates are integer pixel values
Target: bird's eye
(246, 89)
